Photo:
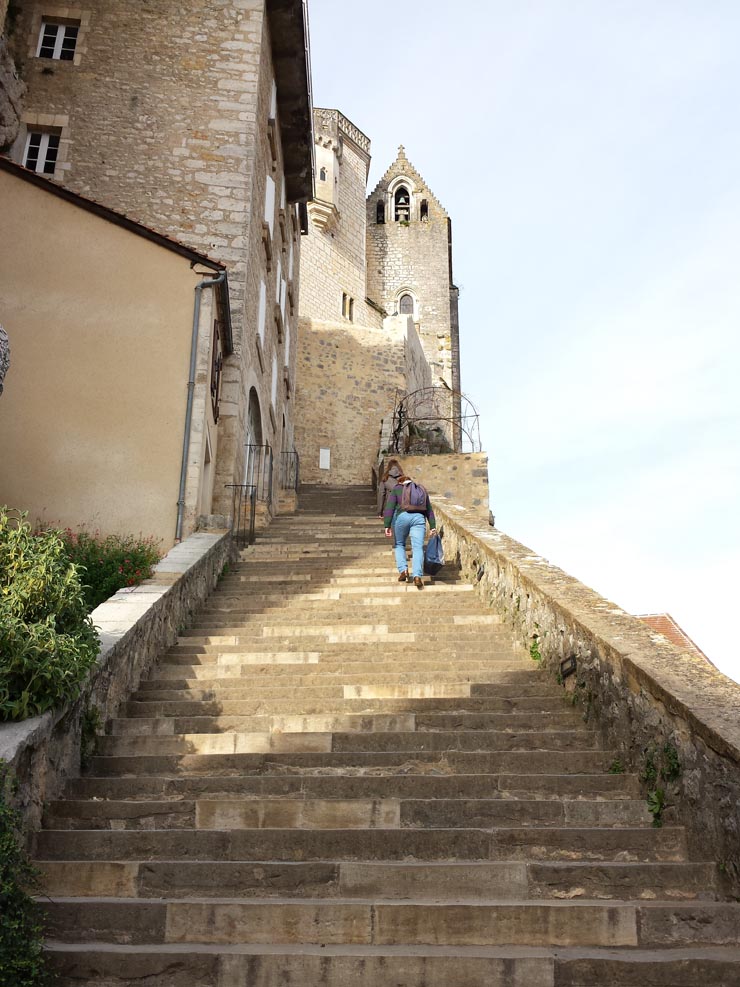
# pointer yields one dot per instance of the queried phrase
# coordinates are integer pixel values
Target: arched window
(424, 211)
(406, 305)
(402, 204)
(380, 212)
(322, 175)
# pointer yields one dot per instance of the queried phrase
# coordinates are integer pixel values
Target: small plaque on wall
(324, 459)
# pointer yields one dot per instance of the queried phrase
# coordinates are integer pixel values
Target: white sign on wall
(324, 459)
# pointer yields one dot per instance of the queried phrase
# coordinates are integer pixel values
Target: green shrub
(22, 960)
(111, 562)
(47, 640)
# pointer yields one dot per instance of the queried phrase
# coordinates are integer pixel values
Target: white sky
(588, 152)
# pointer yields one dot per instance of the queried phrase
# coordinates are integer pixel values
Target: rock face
(4, 356)
(12, 90)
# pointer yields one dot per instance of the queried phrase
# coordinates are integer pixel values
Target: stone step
(339, 921)
(229, 668)
(429, 880)
(496, 843)
(238, 742)
(396, 691)
(360, 763)
(335, 813)
(552, 786)
(244, 707)
(354, 683)
(331, 722)
(408, 966)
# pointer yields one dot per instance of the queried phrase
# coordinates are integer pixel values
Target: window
(273, 391)
(406, 305)
(270, 201)
(57, 41)
(322, 175)
(348, 307)
(40, 154)
(262, 312)
(380, 212)
(424, 211)
(402, 203)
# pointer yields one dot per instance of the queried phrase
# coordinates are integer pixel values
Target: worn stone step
(358, 762)
(362, 786)
(499, 843)
(335, 813)
(354, 683)
(432, 740)
(245, 707)
(430, 880)
(309, 672)
(332, 722)
(408, 966)
(399, 691)
(345, 921)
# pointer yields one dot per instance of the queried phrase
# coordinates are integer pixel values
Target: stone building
(193, 119)
(378, 307)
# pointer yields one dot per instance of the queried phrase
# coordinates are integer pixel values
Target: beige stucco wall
(100, 319)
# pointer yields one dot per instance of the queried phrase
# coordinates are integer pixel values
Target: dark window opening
(322, 175)
(406, 305)
(380, 212)
(424, 211)
(217, 363)
(402, 203)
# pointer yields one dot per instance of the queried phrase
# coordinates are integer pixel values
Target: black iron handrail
(289, 471)
(244, 501)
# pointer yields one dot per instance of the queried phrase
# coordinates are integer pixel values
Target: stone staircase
(335, 779)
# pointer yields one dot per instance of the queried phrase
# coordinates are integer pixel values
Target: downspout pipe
(206, 283)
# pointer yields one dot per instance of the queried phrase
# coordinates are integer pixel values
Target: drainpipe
(207, 283)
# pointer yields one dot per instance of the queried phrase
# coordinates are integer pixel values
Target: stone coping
(642, 690)
(135, 626)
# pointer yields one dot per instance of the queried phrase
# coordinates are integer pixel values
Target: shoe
(404, 576)
(418, 582)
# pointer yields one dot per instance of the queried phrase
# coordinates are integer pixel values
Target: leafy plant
(534, 648)
(661, 766)
(22, 961)
(47, 640)
(110, 562)
(616, 767)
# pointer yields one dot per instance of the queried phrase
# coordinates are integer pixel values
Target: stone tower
(409, 264)
(378, 310)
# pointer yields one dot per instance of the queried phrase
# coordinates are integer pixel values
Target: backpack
(414, 498)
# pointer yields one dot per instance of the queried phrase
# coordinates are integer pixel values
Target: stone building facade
(194, 119)
(409, 263)
(378, 308)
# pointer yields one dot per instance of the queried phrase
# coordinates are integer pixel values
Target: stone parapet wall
(459, 479)
(641, 692)
(136, 625)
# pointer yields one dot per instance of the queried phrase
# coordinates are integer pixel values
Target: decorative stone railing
(136, 625)
(638, 690)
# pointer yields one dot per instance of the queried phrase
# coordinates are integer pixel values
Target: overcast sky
(588, 152)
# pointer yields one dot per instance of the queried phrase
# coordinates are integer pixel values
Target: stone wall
(348, 377)
(453, 479)
(639, 691)
(136, 625)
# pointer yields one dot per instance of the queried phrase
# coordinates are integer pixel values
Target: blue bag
(434, 556)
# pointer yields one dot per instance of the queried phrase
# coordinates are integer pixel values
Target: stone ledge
(641, 693)
(135, 626)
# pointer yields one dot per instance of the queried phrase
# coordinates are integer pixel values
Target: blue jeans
(414, 525)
